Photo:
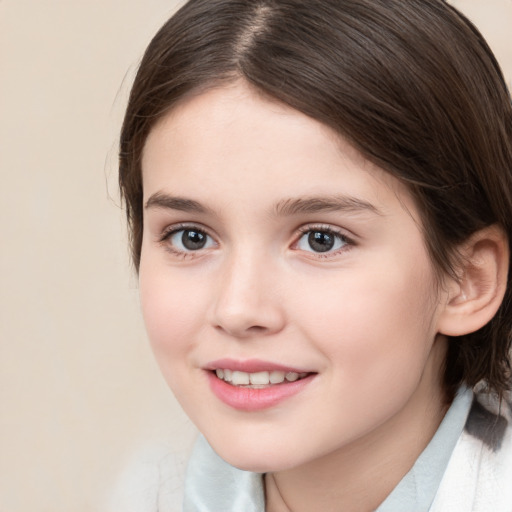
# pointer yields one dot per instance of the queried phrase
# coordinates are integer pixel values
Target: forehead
(232, 143)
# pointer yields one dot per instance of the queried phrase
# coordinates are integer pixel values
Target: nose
(247, 302)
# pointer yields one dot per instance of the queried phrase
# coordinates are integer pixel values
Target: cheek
(375, 339)
(171, 308)
(375, 324)
(172, 316)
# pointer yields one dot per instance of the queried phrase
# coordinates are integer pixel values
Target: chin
(255, 458)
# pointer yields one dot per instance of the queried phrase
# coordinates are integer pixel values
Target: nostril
(254, 329)
(257, 329)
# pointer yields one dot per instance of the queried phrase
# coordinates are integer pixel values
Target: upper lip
(251, 366)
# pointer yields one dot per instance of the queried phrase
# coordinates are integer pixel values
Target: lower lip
(255, 399)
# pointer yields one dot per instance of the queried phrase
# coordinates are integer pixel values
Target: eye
(321, 241)
(189, 240)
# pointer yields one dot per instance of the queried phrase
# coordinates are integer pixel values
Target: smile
(257, 380)
(255, 385)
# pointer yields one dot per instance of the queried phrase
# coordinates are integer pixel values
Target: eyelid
(174, 228)
(329, 228)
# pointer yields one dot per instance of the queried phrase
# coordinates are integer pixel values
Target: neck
(359, 476)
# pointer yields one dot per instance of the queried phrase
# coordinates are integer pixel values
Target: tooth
(260, 378)
(292, 376)
(227, 375)
(219, 373)
(276, 377)
(240, 378)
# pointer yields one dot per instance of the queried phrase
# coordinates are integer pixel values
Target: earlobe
(474, 298)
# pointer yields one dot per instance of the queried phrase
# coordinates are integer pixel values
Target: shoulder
(152, 482)
(479, 474)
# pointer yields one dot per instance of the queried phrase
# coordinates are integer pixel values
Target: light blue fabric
(417, 489)
(212, 485)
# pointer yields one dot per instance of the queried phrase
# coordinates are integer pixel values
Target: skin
(364, 317)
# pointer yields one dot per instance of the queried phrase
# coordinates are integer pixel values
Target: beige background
(79, 391)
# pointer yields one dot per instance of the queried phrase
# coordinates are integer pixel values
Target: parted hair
(411, 84)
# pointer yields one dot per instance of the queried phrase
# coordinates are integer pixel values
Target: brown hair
(411, 84)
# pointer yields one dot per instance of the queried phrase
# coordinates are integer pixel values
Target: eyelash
(347, 242)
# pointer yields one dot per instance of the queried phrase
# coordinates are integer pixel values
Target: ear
(474, 298)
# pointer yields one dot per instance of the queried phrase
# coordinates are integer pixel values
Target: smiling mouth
(255, 385)
(257, 380)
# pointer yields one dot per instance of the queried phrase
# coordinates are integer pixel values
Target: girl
(319, 197)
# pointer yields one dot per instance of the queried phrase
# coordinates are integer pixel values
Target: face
(285, 285)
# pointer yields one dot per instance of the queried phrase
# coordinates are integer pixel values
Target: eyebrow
(161, 200)
(284, 208)
(335, 203)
